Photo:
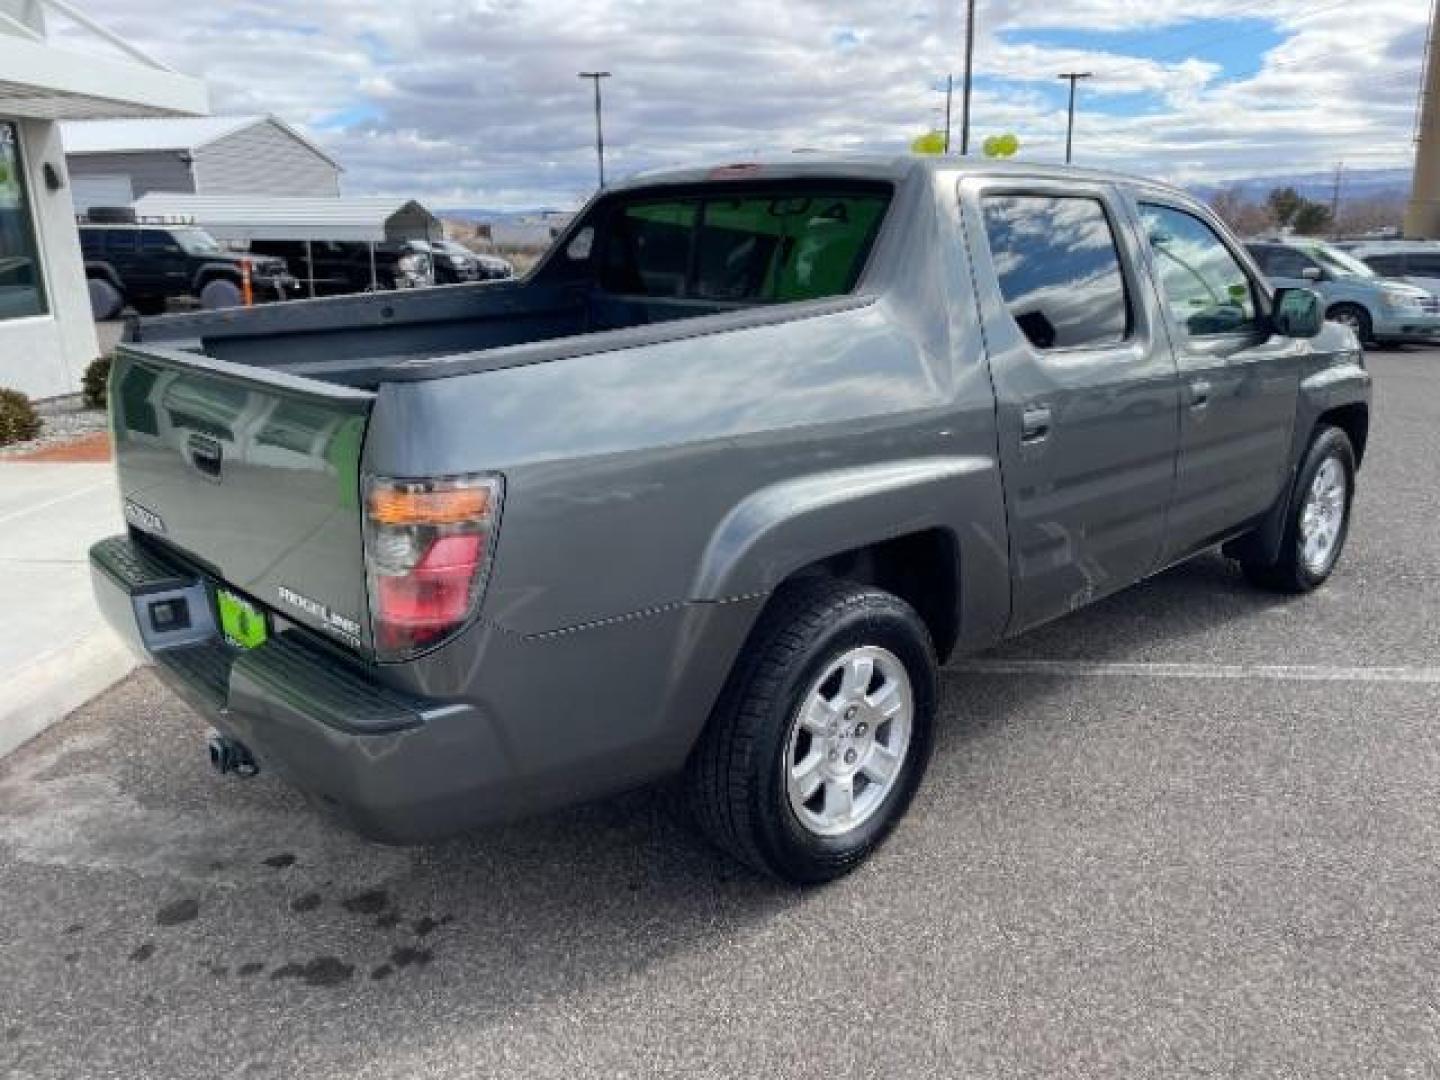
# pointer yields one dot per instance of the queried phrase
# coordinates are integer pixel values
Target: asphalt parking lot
(1194, 830)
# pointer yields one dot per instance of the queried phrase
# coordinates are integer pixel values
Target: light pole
(1074, 77)
(595, 77)
(949, 93)
(969, 72)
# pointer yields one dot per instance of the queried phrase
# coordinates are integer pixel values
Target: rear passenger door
(122, 248)
(166, 266)
(1239, 381)
(1085, 389)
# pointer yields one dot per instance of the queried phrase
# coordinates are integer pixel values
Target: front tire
(1317, 519)
(822, 735)
(220, 293)
(1356, 318)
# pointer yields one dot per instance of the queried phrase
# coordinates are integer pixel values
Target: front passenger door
(1239, 382)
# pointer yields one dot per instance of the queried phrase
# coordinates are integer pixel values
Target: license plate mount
(243, 624)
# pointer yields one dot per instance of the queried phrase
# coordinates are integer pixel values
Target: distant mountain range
(480, 213)
(1355, 184)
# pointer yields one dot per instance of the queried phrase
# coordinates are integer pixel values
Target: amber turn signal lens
(418, 506)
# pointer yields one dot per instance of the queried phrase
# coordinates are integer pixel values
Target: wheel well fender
(213, 271)
(1331, 309)
(895, 525)
(103, 271)
(1352, 417)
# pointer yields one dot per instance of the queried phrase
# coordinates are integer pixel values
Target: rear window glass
(750, 248)
(1059, 269)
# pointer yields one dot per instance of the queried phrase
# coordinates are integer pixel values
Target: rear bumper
(528, 735)
(383, 761)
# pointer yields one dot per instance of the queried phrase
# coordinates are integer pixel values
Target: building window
(22, 289)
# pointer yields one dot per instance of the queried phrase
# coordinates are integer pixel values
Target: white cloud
(477, 101)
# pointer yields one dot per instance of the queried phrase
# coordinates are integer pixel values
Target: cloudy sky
(476, 102)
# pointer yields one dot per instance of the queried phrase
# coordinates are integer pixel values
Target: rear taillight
(427, 549)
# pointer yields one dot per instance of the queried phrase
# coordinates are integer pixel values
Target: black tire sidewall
(892, 625)
(1328, 443)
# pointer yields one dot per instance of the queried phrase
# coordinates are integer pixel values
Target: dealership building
(46, 333)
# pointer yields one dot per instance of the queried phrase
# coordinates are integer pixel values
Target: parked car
(714, 490)
(1378, 309)
(495, 268)
(145, 266)
(455, 263)
(343, 267)
(1414, 261)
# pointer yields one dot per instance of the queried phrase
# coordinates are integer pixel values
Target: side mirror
(1312, 273)
(1297, 313)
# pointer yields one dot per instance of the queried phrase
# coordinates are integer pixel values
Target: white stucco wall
(46, 356)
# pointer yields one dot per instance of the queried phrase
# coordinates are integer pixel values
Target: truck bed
(363, 341)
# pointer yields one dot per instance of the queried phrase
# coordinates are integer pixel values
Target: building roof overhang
(39, 80)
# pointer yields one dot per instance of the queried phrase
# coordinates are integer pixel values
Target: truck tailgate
(252, 474)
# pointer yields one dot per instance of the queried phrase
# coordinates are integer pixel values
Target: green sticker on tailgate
(241, 622)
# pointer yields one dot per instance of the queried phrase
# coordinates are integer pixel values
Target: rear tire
(1356, 318)
(821, 736)
(105, 300)
(220, 293)
(1317, 520)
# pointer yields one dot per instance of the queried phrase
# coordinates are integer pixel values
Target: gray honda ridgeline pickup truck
(713, 491)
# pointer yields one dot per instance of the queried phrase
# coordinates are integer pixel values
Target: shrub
(18, 419)
(97, 376)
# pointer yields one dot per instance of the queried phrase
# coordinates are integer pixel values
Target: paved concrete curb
(56, 652)
(52, 686)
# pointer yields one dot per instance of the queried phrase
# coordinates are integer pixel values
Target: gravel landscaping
(65, 419)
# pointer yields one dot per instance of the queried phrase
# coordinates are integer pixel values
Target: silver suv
(1378, 309)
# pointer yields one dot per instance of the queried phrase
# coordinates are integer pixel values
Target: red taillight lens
(427, 549)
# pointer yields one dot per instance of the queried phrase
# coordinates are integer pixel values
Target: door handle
(1199, 394)
(1034, 424)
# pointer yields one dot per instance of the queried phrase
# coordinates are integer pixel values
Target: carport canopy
(371, 219)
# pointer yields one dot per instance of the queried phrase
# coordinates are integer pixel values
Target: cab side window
(1059, 269)
(1289, 263)
(120, 242)
(155, 242)
(1207, 290)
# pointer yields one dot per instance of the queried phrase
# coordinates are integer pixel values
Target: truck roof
(893, 167)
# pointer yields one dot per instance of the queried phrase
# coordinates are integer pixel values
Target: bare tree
(1242, 214)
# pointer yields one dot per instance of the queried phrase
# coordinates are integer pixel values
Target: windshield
(196, 242)
(1340, 263)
